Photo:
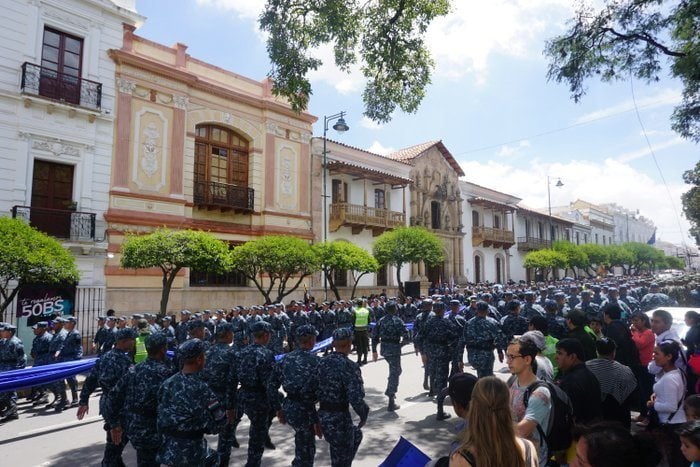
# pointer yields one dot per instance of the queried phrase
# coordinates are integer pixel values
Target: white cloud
(663, 98)
(606, 182)
(370, 124)
(248, 9)
(507, 151)
(645, 151)
(377, 148)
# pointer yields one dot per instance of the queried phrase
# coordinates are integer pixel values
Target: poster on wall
(44, 302)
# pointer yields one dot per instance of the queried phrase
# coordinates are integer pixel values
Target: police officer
(187, 409)
(71, 350)
(513, 324)
(131, 406)
(106, 373)
(341, 385)
(419, 338)
(531, 308)
(390, 331)
(255, 365)
(297, 373)
(481, 336)
(12, 357)
(220, 374)
(440, 334)
(361, 323)
(59, 387)
(108, 338)
(239, 327)
(181, 330)
(100, 335)
(41, 354)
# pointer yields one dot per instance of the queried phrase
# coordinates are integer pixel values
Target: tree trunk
(402, 292)
(8, 301)
(168, 279)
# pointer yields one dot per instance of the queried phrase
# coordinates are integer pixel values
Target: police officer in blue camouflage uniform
(389, 332)
(239, 327)
(531, 308)
(341, 385)
(131, 406)
(419, 338)
(220, 374)
(586, 305)
(481, 336)
(440, 335)
(297, 373)
(187, 409)
(100, 335)
(255, 365)
(41, 354)
(71, 350)
(106, 374)
(513, 324)
(59, 387)
(12, 357)
(181, 329)
(279, 332)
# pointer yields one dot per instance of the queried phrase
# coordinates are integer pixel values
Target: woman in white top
(490, 440)
(668, 396)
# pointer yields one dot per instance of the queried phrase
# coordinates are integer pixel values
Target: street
(43, 438)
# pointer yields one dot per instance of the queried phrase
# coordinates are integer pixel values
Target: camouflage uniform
(531, 309)
(330, 323)
(59, 387)
(440, 336)
(513, 325)
(12, 357)
(240, 332)
(220, 374)
(655, 300)
(389, 332)
(132, 405)
(71, 350)
(297, 373)
(106, 374)
(187, 409)
(279, 333)
(341, 385)
(481, 336)
(255, 365)
(419, 342)
(41, 353)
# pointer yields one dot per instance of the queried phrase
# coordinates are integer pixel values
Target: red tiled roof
(409, 154)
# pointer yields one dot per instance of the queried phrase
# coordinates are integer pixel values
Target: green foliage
(691, 201)
(386, 35)
(631, 37)
(575, 257)
(407, 245)
(545, 261)
(172, 250)
(620, 256)
(274, 261)
(646, 257)
(28, 256)
(673, 262)
(341, 255)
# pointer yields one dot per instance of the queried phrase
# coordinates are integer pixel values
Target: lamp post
(559, 184)
(341, 127)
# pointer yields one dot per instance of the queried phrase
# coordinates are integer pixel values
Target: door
(60, 66)
(52, 197)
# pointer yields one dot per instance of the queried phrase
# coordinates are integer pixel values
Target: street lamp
(341, 127)
(559, 184)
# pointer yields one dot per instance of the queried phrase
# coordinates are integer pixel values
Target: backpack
(561, 417)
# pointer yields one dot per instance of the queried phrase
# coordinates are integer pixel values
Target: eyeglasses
(510, 357)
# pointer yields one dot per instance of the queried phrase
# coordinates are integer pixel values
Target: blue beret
(191, 349)
(194, 324)
(156, 341)
(259, 326)
(306, 330)
(126, 333)
(342, 334)
(223, 327)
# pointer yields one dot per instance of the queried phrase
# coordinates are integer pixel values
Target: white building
(630, 226)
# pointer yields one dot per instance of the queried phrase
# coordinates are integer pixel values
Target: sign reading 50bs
(42, 302)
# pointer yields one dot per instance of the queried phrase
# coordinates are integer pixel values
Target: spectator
(692, 407)
(577, 381)
(690, 442)
(606, 444)
(644, 340)
(539, 323)
(491, 439)
(576, 322)
(618, 331)
(545, 370)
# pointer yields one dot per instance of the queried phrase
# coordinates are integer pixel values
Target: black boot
(392, 404)
(442, 415)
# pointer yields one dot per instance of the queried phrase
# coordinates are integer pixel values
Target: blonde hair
(490, 435)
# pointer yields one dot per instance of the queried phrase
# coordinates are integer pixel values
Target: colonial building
(436, 204)
(602, 223)
(490, 219)
(204, 148)
(366, 194)
(630, 226)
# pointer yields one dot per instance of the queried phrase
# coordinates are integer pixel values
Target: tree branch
(645, 38)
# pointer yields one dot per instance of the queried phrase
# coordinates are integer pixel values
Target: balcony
(223, 196)
(360, 217)
(532, 243)
(492, 237)
(60, 223)
(44, 82)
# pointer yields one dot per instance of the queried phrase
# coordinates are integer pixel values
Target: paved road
(43, 438)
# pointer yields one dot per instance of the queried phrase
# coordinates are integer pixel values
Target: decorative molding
(66, 18)
(181, 102)
(56, 148)
(152, 78)
(271, 127)
(125, 86)
(306, 137)
(149, 155)
(149, 159)
(227, 117)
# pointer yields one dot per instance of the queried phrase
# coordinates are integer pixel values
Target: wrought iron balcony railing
(59, 223)
(359, 216)
(532, 243)
(44, 82)
(223, 196)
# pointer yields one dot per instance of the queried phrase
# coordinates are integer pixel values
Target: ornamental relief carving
(149, 154)
(56, 148)
(125, 86)
(149, 158)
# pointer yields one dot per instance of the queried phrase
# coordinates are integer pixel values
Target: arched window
(221, 168)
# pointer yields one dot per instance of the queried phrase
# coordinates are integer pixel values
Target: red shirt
(645, 342)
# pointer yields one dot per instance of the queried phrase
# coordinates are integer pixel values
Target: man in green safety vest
(140, 348)
(361, 321)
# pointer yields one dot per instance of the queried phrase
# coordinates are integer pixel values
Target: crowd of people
(589, 348)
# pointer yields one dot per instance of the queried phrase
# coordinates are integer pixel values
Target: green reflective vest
(361, 318)
(141, 353)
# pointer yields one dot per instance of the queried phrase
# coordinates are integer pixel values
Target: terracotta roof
(408, 154)
(360, 149)
(368, 173)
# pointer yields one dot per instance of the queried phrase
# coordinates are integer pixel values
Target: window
(585, 238)
(552, 233)
(596, 239)
(339, 192)
(578, 238)
(221, 168)
(540, 230)
(603, 239)
(61, 61)
(210, 279)
(475, 219)
(435, 215)
(383, 276)
(379, 200)
(340, 278)
(568, 235)
(528, 228)
(496, 222)
(499, 279)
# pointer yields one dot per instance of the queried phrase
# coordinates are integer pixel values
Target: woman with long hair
(490, 440)
(645, 340)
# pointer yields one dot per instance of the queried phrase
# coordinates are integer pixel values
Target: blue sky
(489, 102)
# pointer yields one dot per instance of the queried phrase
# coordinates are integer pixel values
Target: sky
(489, 102)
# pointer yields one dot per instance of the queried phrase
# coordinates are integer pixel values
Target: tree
(575, 257)
(173, 250)
(545, 261)
(646, 257)
(407, 245)
(631, 38)
(273, 261)
(28, 256)
(673, 262)
(597, 256)
(341, 255)
(691, 201)
(620, 256)
(387, 35)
